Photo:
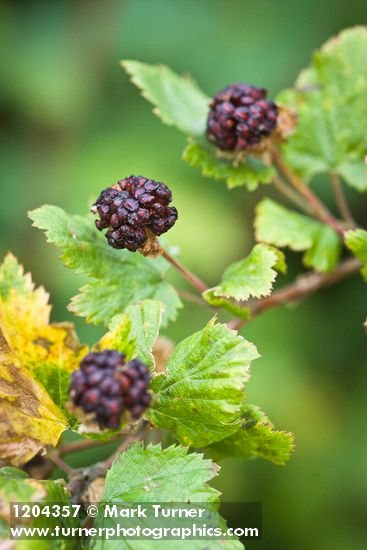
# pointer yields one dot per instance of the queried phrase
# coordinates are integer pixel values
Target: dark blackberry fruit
(108, 386)
(240, 117)
(133, 208)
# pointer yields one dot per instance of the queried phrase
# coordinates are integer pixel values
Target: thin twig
(190, 277)
(132, 438)
(341, 200)
(55, 458)
(318, 208)
(304, 286)
(80, 445)
(191, 297)
(289, 193)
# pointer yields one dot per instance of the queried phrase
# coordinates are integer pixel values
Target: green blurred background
(72, 124)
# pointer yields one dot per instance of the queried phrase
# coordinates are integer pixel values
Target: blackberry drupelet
(107, 386)
(133, 208)
(240, 117)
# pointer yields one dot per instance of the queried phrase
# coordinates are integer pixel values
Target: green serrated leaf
(281, 227)
(176, 544)
(156, 475)
(135, 332)
(146, 319)
(226, 303)
(329, 98)
(356, 241)
(14, 280)
(118, 337)
(250, 173)
(255, 438)
(11, 472)
(200, 396)
(19, 489)
(251, 277)
(118, 278)
(177, 99)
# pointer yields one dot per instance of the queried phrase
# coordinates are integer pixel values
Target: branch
(304, 286)
(288, 192)
(54, 457)
(341, 200)
(79, 479)
(191, 297)
(318, 208)
(190, 277)
(132, 438)
(80, 445)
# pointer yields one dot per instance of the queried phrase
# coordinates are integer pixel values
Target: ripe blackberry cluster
(240, 116)
(133, 207)
(107, 386)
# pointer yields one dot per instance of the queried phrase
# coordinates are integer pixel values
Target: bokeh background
(72, 124)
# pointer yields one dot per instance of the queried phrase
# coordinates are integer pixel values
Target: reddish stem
(304, 286)
(190, 277)
(318, 208)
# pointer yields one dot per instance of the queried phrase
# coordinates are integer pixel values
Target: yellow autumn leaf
(25, 321)
(51, 351)
(36, 359)
(29, 420)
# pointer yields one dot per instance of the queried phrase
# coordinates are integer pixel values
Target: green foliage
(255, 437)
(178, 100)
(200, 395)
(330, 99)
(118, 278)
(242, 312)
(146, 319)
(154, 474)
(134, 332)
(276, 225)
(251, 171)
(15, 486)
(37, 358)
(118, 337)
(13, 279)
(157, 475)
(251, 277)
(11, 472)
(197, 544)
(327, 95)
(356, 241)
